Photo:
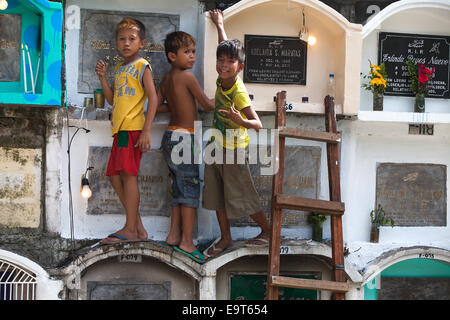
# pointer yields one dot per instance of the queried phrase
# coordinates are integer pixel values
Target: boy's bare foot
(142, 233)
(261, 240)
(173, 240)
(122, 235)
(189, 247)
(216, 248)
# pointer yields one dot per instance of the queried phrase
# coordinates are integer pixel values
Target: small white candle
(24, 70)
(31, 69)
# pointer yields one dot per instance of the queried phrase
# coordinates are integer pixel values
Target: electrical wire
(69, 138)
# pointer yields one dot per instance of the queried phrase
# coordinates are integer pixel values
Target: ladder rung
(289, 282)
(311, 205)
(310, 135)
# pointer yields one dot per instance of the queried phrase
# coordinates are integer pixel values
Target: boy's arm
(100, 69)
(217, 18)
(252, 121)
(144, 142)
(162, 106)
(198, 93)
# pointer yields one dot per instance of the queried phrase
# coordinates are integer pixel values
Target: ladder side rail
(335, 195)
(275, 212)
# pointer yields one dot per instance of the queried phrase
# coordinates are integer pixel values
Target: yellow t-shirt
(129, 96)
(238, 97)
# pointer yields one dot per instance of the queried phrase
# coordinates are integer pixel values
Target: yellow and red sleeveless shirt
(129, 96)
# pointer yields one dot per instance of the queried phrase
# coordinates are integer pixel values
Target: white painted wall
(92, 226)
(370, 143)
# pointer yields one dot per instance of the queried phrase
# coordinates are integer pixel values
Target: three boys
(228, 188)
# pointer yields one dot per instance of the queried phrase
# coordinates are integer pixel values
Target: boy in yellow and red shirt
(133, 83)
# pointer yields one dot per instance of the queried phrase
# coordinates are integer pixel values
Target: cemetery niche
(431, 50)
(97, 42)
(153, 182)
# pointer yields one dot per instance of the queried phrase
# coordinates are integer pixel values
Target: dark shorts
(124, 155)
(185, 175)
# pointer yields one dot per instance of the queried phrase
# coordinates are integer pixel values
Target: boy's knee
(126, 176)
(112, 179)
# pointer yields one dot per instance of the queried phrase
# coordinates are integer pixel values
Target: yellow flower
(375, 67)
(375, 82)
(378, 74)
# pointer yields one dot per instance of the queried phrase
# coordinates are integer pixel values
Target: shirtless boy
(178, 94)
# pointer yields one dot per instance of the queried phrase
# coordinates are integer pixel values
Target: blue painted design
(31, 36)
(54, 75)
(56, 20)
(47, 48)
(53, 102)
(30, 97)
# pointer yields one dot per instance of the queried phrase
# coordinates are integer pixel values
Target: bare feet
(217, 248)
(188, 247)
(122, 235)
(172, 240)
(142, 233)
(261, 240)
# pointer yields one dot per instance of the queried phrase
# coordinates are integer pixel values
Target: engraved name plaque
(153, 185)
(413, 194)
(97, 41)
(10, 47)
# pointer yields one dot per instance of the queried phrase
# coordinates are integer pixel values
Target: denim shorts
(184, 175)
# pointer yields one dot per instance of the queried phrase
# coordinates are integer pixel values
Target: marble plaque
(97, 41)
(129, 290)
(413, 194)
(405, 288)
(301, 179)
(10, 53)
(153, 184)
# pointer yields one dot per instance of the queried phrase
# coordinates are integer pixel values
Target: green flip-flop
(167, 245)
(192, 254)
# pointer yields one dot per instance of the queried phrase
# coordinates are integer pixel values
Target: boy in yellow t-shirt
(133, 83)
(228, 187)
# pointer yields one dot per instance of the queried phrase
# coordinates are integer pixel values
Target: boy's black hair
(232, 48)
(131, 23)
(175, 40)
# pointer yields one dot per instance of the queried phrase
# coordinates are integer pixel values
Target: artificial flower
(419, 76)
(377, 75)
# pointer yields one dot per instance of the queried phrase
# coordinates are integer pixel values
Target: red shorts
(124, 158)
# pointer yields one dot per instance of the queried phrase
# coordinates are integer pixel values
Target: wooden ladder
(335, 208)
